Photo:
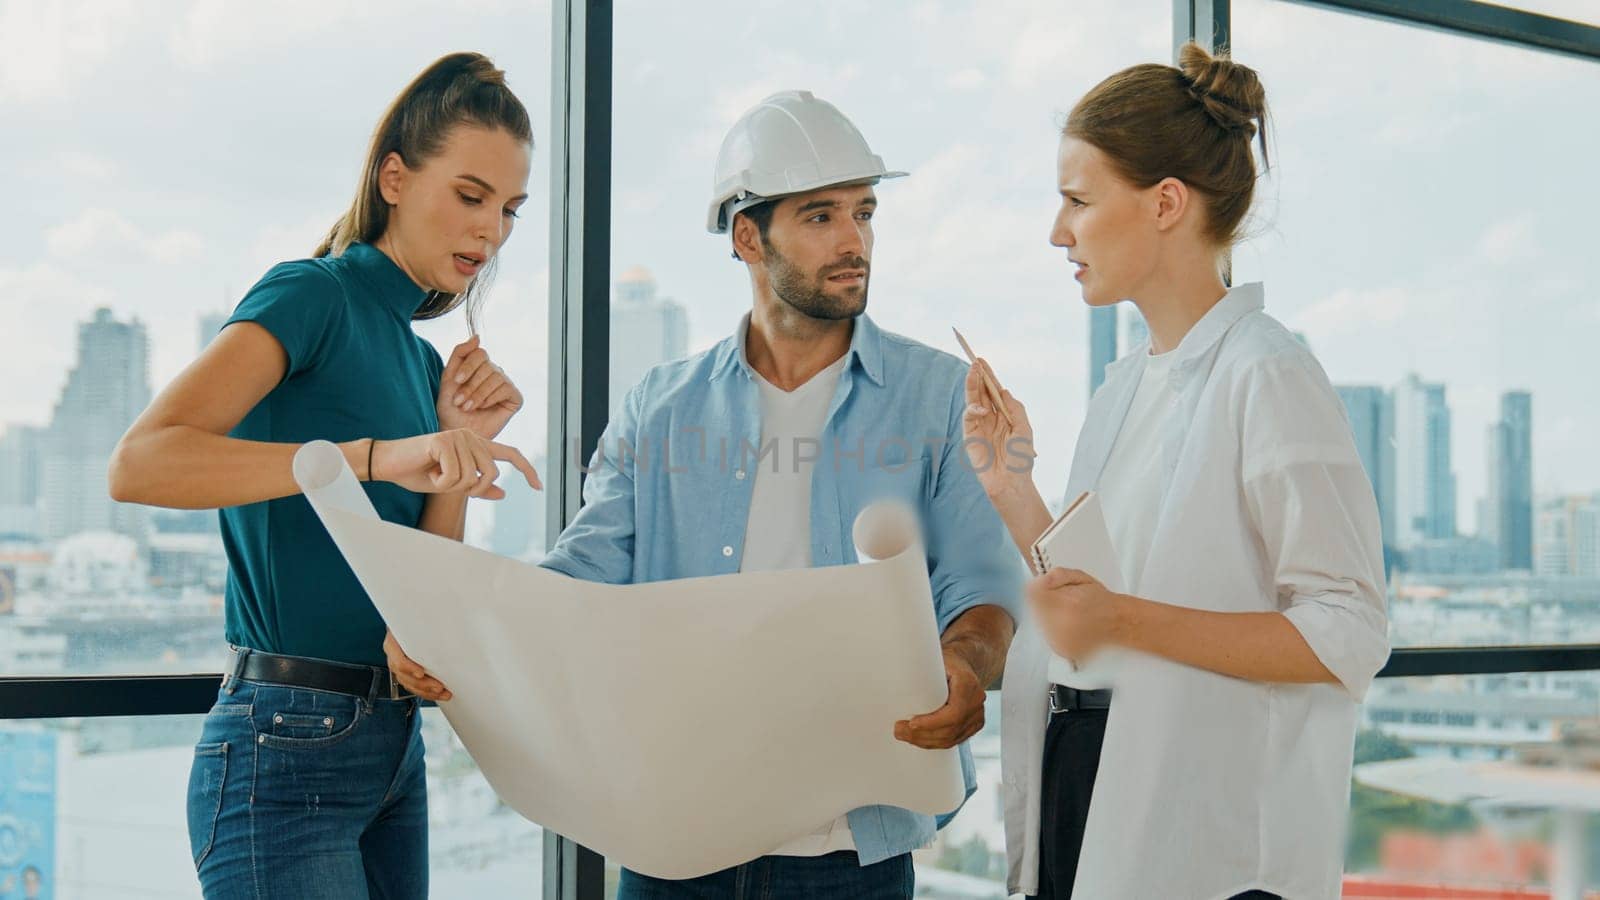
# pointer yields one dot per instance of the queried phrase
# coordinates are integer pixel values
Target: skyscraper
(1568, 536)
(1508, 506)
(645, 331)
(1102, 343)
(20, 447)
(105, 391)
(1424, 482)
(210, 324)
(1371, 412)
(519, 518)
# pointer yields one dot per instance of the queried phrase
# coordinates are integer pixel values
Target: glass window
(1581, 11)
(971, 108)
(1423, 231)
(156, 168)
(95, 807)
(1411, 831)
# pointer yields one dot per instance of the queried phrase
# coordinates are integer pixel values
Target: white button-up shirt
(1208, 785)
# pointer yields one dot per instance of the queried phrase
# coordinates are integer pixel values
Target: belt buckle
(397, 691)
(1055, 706)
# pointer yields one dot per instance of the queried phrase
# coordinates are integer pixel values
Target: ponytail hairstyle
(1195, 123)
(458, 89)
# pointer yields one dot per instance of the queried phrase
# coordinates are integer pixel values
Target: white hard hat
(789, 143)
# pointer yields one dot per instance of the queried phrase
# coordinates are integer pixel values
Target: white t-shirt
(1130, 487)
(778, 533)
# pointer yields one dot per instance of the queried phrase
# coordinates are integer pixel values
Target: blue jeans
(836, 876)
(310, 795)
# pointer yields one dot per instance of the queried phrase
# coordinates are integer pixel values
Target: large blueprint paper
(678, 727)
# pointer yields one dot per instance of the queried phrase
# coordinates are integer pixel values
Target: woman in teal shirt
(308, 779)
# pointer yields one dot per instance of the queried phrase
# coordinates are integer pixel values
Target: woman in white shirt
(1246, 529)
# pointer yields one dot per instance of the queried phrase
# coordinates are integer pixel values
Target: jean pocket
(305, 730)
(207, 776)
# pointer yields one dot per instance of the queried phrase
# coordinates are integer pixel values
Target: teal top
(356, 370)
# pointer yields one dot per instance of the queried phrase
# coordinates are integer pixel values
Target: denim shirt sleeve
(971, 560)
(598, 545)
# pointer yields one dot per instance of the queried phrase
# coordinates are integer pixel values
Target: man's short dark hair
(761, 214)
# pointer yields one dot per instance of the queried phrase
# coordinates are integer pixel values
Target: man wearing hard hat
(759, 453)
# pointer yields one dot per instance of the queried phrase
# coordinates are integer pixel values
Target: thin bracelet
(371, 443)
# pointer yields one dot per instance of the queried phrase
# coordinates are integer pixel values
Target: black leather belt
(1066, 699)
(366, 682)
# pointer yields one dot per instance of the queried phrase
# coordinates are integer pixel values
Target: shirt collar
(866, 350)
(395, 288)
(1240, 301)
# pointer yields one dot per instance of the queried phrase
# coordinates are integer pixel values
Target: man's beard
(809, 294)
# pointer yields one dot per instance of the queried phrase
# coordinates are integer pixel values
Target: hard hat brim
(720, 216)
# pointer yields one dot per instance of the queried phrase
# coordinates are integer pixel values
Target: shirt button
(739, 474)
(727, 551)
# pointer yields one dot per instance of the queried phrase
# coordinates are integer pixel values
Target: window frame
(579, 350)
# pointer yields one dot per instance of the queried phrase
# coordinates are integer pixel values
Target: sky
(1427, 211)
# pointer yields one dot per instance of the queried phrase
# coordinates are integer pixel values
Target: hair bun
(1231, 93)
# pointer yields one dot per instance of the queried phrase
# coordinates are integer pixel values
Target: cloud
(51, 300)
(47, 49)
(213, 31)
(84, 165)
(640, 202)
(1068, 53)
(104, 232)
(277, 242)
(1430, 126)
(970, 78)
(220, 33)
(1353, 310)
(1509, 241)
(829, 82)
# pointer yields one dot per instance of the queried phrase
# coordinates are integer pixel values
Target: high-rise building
(20, 447)
(1102, 343)
(646, 331)
(1451, 556)
(1424, 482)
(210, 324)
(1586, 539)
(519, 517)
(1508, 506)
(104, 393)
(1371, 411)
(1567, 536)
(1552, 538)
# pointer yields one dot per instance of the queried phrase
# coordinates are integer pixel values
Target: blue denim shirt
(668, 494)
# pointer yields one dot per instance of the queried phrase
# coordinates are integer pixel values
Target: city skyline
(1403, 435)
(143, 180)
(1384, 272)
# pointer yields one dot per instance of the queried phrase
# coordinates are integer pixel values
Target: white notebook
(1079, 539)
